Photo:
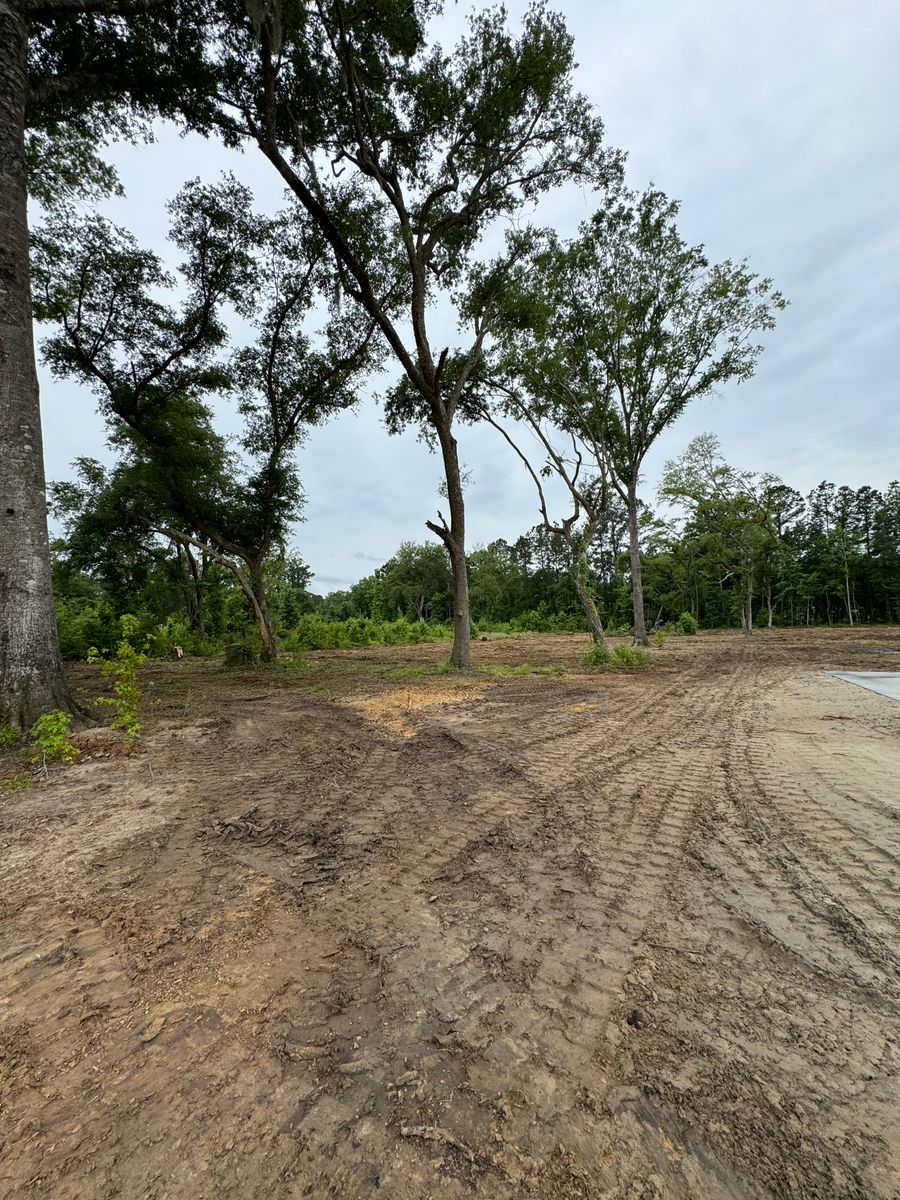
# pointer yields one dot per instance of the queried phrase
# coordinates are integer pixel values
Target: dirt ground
(358, 928)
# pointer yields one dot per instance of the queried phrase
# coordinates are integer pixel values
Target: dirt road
(358, 930)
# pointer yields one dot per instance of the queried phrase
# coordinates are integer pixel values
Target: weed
(660, 638)
(51, 736)
(442, 668)
(16, 783)
(622, 655)
(8, 736)
(123, 670)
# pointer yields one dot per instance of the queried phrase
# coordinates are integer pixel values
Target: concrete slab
(885, 683)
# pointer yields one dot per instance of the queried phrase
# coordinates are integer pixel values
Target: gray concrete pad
(885, 683)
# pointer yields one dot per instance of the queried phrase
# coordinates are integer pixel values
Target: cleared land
(360, 931)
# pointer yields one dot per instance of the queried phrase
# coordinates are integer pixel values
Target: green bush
(313, 632)
(622, 655)
(660, 638)
(543, 620)
(51, 736)
(162, 640)
(85, 623)
(8, 736)
(686, 624)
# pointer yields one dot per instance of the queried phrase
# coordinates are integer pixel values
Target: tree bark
(747, 605)
(637, 586)
(32, 680)
(586, 600)
(260, 606)
(454, 538)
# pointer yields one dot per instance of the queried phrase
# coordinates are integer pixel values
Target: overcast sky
(775, 122)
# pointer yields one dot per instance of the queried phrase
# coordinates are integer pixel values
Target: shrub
(51, 736)
(660, 638)
(84, 624)
(686, 624)
(313, 632)
(243, 651)
(123, 670)
(8, 736)
(162, 640)
(622, 655)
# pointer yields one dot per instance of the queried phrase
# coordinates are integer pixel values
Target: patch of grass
(622, 655)
(16, 783)
(289, 662)
(522, 669)
(442, 668)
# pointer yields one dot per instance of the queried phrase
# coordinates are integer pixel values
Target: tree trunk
(198, 624)
(259, 604)
(847, 587)
(769, 602)
(747, 606)
(454, 538)
(32, 681)
(586, 600)
(637, 587)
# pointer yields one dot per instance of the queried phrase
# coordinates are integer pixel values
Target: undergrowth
(123, 670)
(622, 655)
(51, 736)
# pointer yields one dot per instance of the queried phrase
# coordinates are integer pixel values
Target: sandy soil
(353, 931)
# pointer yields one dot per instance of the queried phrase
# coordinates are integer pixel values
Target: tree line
(399, 159)
(728, 547)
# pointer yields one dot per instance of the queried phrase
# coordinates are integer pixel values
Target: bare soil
(349, 930)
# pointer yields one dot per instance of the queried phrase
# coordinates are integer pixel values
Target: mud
(351, 930)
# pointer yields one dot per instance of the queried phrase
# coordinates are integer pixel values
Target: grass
(442, 668)
(622, 655)
(16, 783)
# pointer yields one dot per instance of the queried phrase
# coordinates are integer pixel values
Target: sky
(776, 125)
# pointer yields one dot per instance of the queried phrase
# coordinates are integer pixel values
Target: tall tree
(613, 334)
(441, 146)
(72, 72)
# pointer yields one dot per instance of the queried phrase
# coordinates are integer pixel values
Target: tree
(613, 334)
(72, 72)
(153, 366)
(404, 156)
(732, 511)
(588, 490)
(416, 580)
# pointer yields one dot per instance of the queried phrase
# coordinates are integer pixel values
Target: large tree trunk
(32, 681)
(454, 538)
(637, 586)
